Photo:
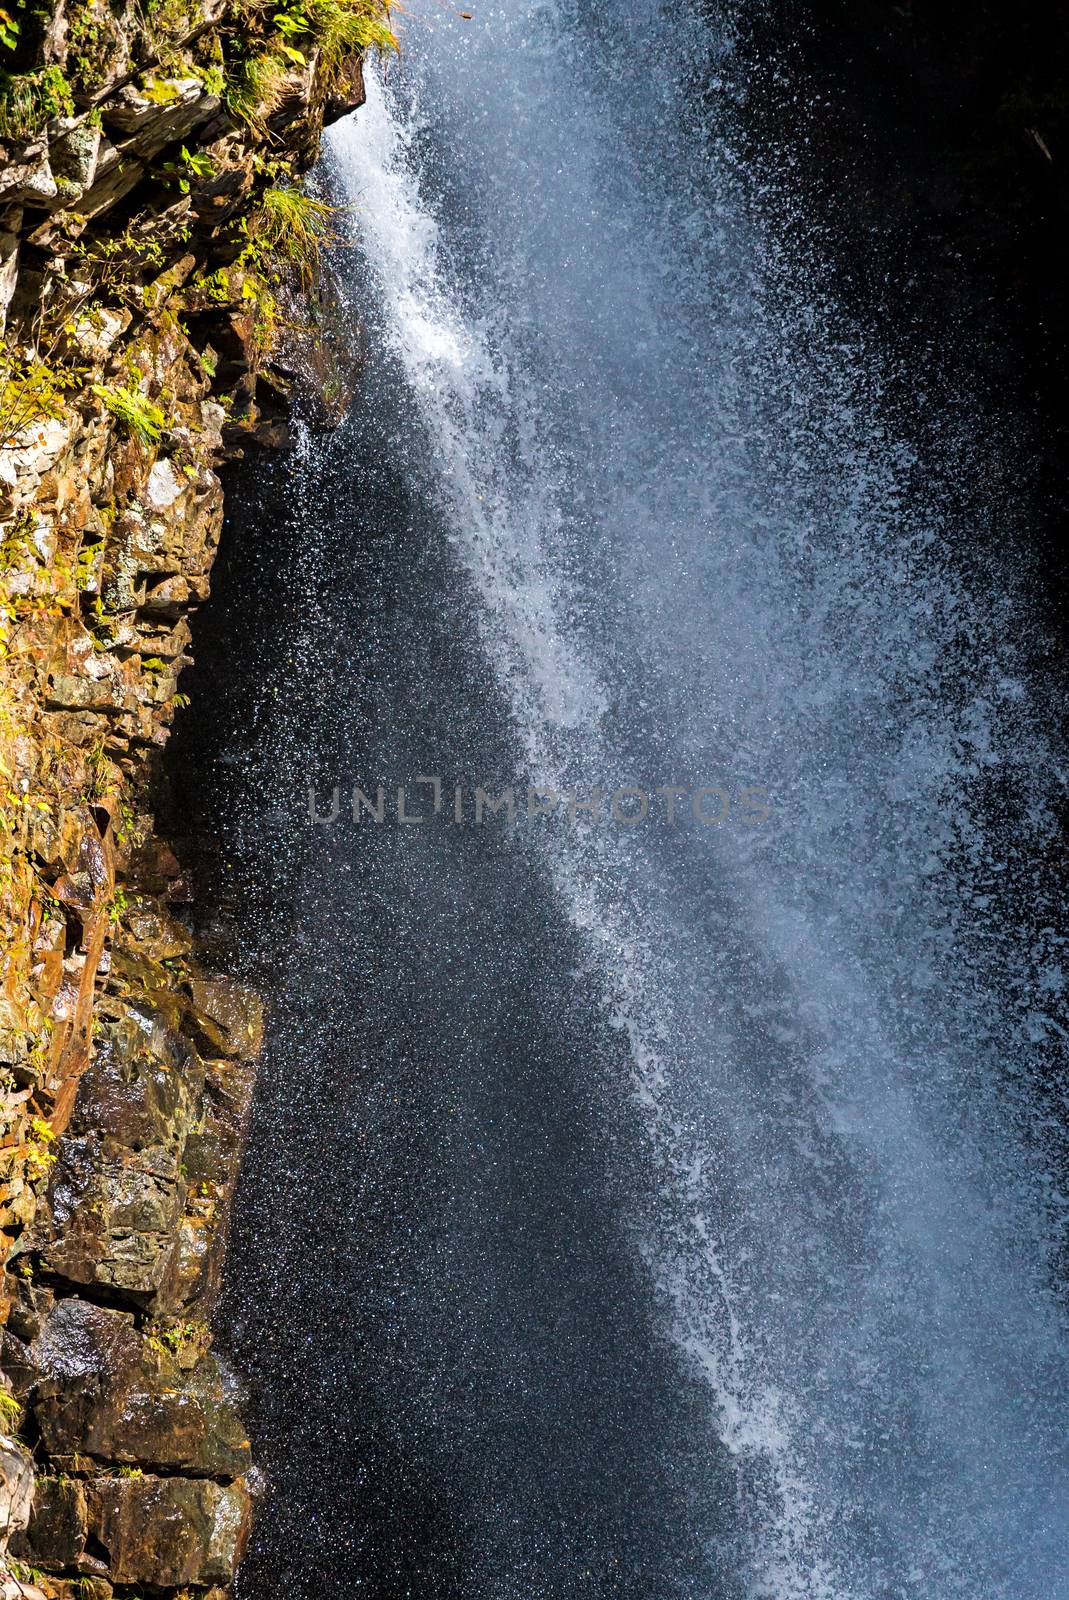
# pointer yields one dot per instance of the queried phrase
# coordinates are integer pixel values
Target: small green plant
(10, 1412)
(216, 285)
(292, 24)
(131, 829)
(213, 79)
(198, 163)
(24, 1574)
(40, 1158)
(88, 43)
(31, 390)
(30, 99)
(9, 30)
(139, 415)
(102, 624)
(189, 166)
(118, 905)
(112, 265)
(99, 770)
(17, 542)
(181, 1339)
(84, 564)
(167, 13)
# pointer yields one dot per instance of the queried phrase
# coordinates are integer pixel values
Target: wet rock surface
(58, 1526)
(169, 1531)
(109, 1390)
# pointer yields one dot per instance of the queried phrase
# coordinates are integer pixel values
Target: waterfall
(701, 556)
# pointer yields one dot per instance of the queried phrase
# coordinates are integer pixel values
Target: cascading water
(684, 1207)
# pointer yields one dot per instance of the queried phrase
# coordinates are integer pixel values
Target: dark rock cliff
(155, 254)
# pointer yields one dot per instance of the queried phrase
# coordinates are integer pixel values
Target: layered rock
(151, 253)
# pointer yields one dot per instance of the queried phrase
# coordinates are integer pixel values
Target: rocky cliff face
(153, 246)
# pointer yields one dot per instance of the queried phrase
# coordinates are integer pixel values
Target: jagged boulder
(110, 1392)
(211, 1158)
(169, 1531)
(55, 1535)
(229, 1017)
(16, 1497)
(118, 1191)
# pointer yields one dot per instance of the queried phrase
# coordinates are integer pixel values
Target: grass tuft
(30, 99)
(346, 28)
(293, 227)
(254, 88)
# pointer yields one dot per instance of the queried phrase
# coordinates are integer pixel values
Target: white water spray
(676, 589)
